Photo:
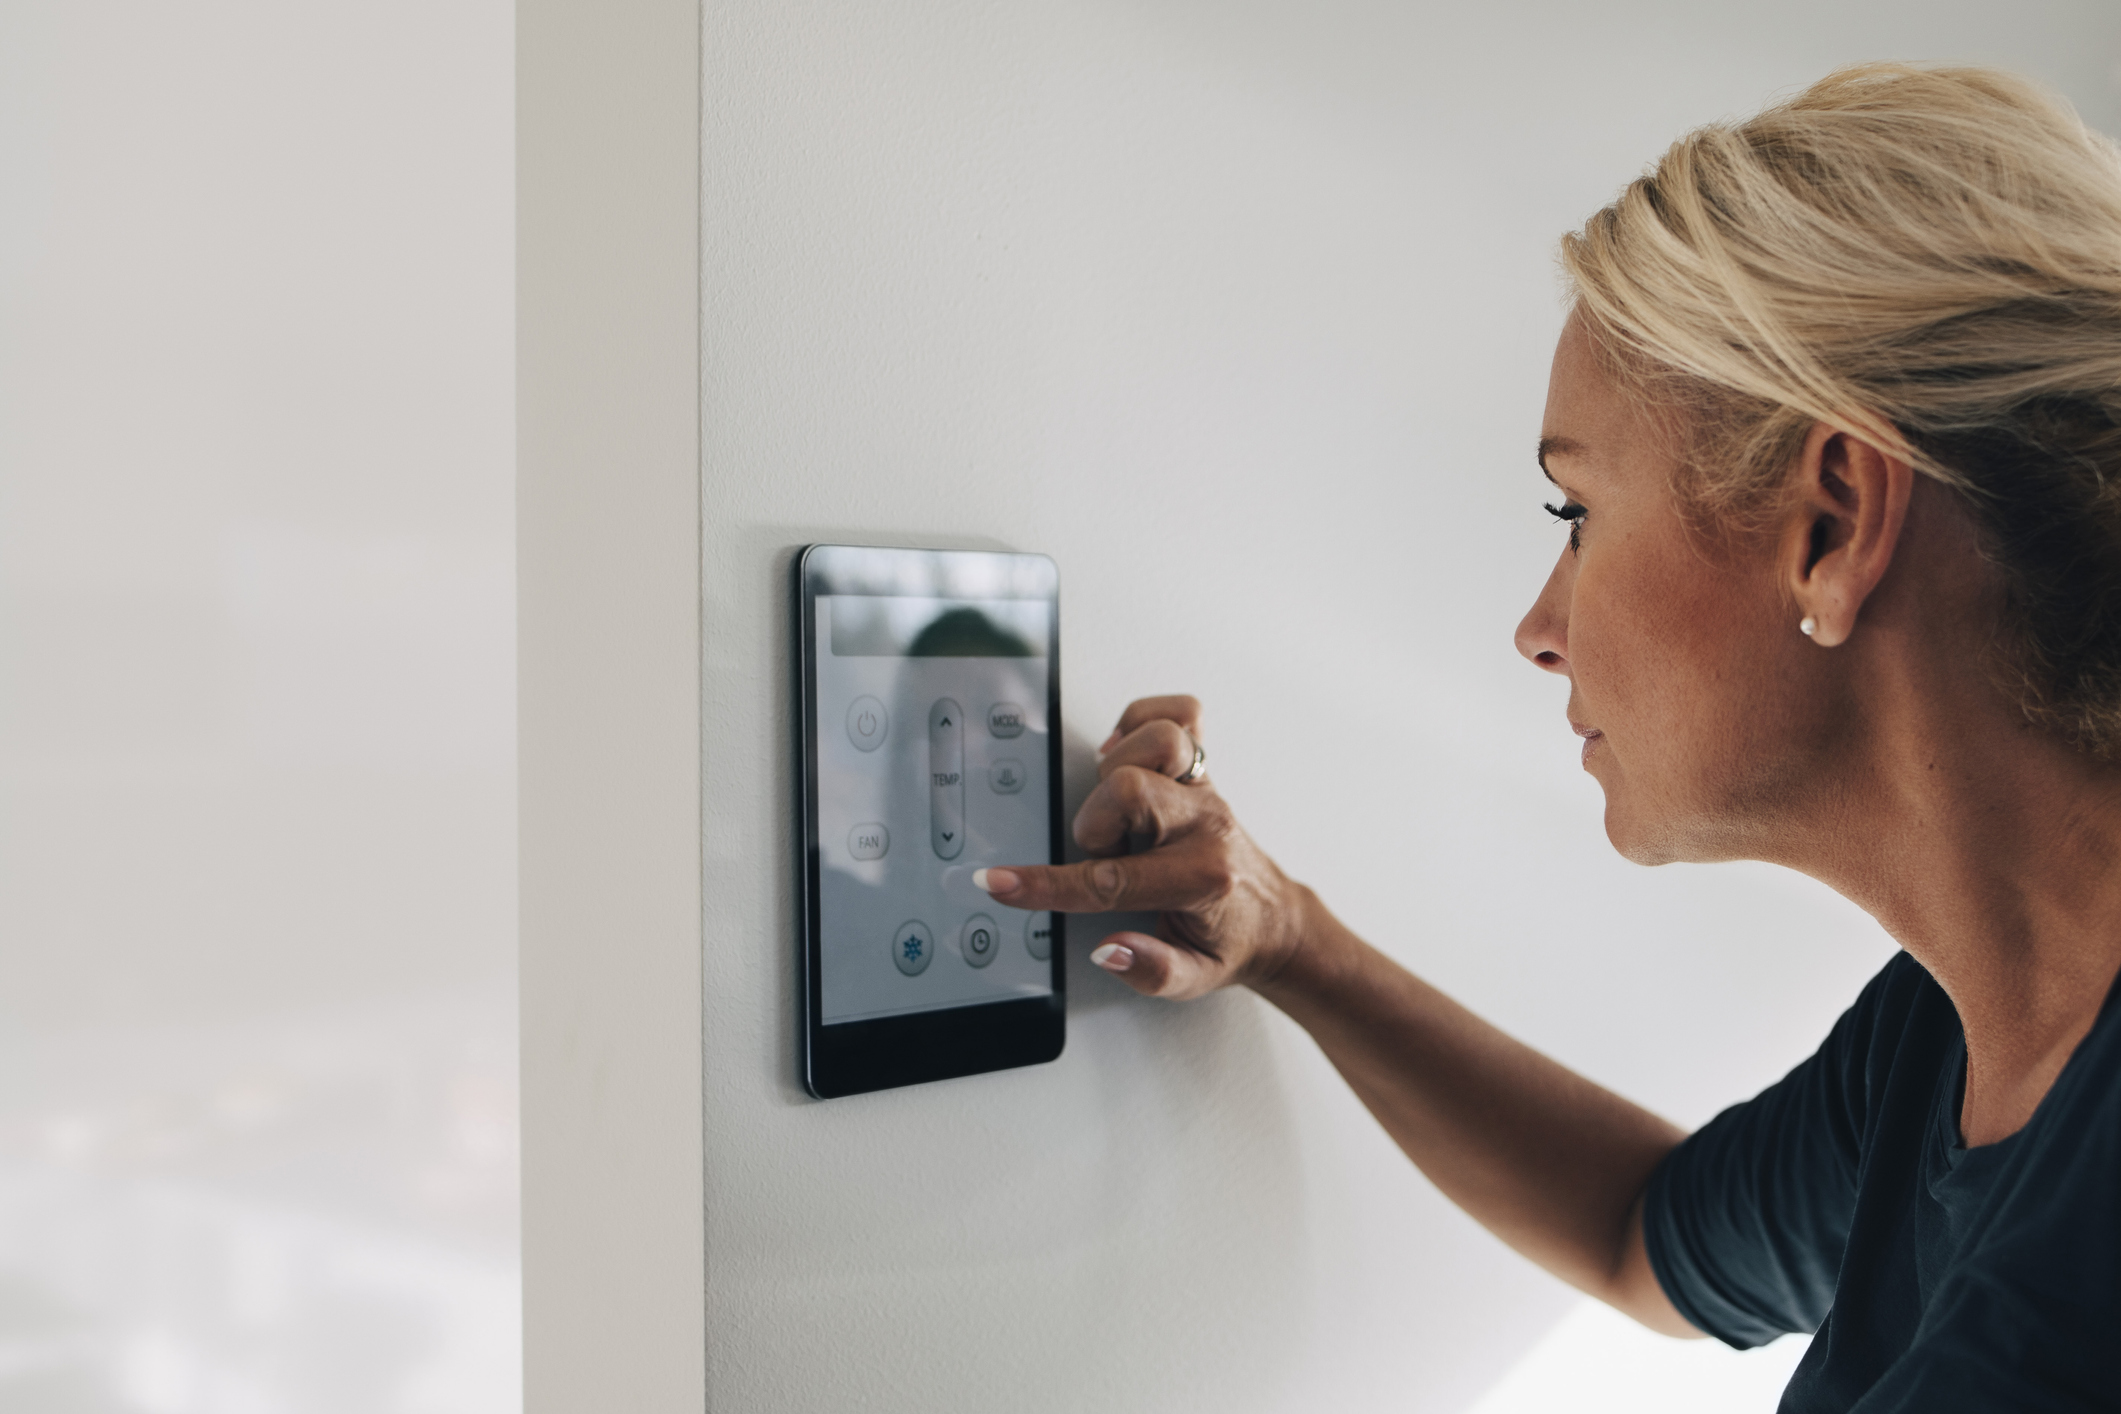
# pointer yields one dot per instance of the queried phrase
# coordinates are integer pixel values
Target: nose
(1543, 634)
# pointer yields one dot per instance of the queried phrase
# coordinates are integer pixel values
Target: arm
(1544, 1159)
(1549, 1162)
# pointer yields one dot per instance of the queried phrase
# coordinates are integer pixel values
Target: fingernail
(1114, 957)
(995, 881)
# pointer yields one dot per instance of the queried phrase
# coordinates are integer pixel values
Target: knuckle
(1107, 880)
(1130, 787)
(1097, 804)
(1142, 796)
(1220, 876)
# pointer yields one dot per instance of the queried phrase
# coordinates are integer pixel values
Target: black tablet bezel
(854, 1057)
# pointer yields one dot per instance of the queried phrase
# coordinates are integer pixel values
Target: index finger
(1166, 880)
(1141, 711)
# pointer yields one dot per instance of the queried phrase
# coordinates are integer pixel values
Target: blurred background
(258, 1118)
(257, 839)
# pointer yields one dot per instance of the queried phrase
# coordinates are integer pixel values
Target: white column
(608, 557)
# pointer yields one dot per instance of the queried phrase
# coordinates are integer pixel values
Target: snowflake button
(912, 947)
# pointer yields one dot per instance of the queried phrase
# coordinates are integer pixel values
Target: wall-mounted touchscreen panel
(931, 690)
(940, 770)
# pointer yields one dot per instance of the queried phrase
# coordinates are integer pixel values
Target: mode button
(1005, 720)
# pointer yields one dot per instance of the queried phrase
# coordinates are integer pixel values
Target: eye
(1573, 513)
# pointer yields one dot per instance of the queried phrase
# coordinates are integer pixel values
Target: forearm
(1548, 1161)
(1545, 1159)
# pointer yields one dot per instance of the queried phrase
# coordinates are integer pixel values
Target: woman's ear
(1848, 503)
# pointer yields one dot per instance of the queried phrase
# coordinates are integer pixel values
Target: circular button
(913, 947)
(1005, 719)
(867, 721)
(1038, 936)
(981, 940)
(1006, 776)
(868, 841)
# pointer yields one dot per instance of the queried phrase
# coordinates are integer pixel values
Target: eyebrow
(1562, 445)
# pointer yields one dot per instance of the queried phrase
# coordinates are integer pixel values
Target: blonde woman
(1836, 426)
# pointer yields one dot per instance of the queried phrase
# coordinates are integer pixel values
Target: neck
(1992, 853)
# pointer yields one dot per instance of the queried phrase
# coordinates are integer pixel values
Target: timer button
(980, 940)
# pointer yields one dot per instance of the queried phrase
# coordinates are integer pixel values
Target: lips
(1591, 737)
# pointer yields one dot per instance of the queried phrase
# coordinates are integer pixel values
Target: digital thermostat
(929, 748)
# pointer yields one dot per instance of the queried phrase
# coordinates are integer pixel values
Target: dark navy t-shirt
(1939, 1278)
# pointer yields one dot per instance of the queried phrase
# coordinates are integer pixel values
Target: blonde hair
(1930, 260)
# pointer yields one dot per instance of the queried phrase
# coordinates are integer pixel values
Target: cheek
(1661, 643)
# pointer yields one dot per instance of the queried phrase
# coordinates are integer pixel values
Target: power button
(867, 722)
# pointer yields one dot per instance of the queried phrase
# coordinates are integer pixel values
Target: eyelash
(1573, 514)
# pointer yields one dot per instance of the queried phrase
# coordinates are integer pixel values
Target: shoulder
(1745, 1221)
(1900, 1027)
(1896, 992)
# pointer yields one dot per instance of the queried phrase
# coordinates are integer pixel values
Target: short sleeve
(1746, 1220)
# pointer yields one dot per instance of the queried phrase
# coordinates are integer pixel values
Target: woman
(1836, 422)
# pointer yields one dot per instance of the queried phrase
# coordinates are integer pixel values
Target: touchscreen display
(932, 762)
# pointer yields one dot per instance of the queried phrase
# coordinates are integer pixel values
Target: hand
(1229, 915)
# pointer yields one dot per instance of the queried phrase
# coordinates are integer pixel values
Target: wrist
(1318, 956)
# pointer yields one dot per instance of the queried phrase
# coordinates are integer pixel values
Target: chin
(1637, 846)
(1650, 837)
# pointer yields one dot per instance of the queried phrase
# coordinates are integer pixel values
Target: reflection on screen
(932, 732)
(870, 626)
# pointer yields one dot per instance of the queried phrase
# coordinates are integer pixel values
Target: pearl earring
(1809, 626)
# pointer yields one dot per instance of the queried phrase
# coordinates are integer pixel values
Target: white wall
(1242, 313)
(257, 914)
